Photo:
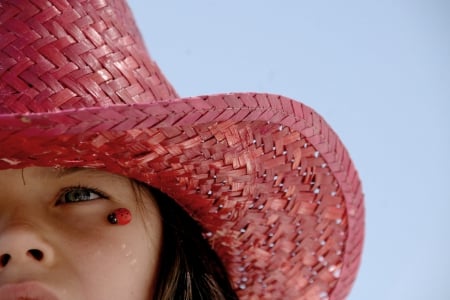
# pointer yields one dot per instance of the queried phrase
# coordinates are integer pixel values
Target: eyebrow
(68, 171)
(62, 172)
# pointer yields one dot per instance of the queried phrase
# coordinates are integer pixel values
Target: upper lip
(26, 291)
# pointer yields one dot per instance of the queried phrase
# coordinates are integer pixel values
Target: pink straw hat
(268, 179)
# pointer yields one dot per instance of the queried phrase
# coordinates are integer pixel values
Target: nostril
(4, 259)
(36, 253)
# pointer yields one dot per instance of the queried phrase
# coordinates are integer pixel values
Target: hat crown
(74, 54)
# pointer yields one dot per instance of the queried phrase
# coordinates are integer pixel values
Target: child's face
(54, 235)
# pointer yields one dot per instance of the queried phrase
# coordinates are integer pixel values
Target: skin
(84, 257)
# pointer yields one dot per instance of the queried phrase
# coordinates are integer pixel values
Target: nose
(23, 246)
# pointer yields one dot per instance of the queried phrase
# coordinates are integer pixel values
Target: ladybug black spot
(112, 218)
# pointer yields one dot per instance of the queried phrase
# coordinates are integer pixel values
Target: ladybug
(121, 216)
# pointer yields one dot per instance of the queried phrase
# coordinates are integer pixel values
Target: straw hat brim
(269, 180)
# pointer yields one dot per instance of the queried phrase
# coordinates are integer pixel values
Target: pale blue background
(378, 71)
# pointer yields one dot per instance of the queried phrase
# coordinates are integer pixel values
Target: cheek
(122, 258)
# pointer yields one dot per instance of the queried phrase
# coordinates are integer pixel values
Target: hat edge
(239, 107)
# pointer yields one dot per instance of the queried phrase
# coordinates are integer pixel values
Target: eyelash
(82, 190)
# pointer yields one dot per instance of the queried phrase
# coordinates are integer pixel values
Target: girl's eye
(78, 194)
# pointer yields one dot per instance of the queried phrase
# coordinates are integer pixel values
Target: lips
(26, 291)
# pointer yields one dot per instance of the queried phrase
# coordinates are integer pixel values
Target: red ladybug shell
(121, 216)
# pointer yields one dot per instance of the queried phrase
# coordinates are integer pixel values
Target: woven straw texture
(268, 179)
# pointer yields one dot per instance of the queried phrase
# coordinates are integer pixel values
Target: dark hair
(188, 268)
